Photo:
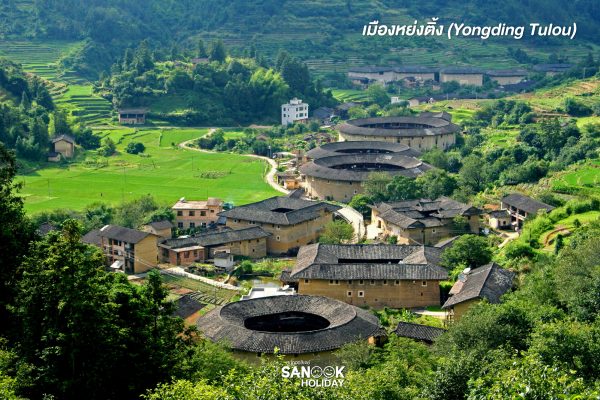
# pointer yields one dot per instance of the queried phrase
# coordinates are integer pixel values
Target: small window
(180, 225)
(203, 213)
(349, 282)
(372, 282)
(361, 282)
(349, 293)
(424, 283)
(361, 293)
(397, 283)
(180, 213)
(278, 238)
(385, 282)
(306, 281)
(192, 224)
(192, 213)
(433, 231)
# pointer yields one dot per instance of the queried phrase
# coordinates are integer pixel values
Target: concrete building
(291, 222)
(489, 282)
(196, 213)
(337, 170)
(423, 221)
(249, 242)
(127, 250)
(371, 275)
(300, 327)
(520, 207)
(132, 116)
(462, 75)
(294, 111)
(507, 76)
(424, 132)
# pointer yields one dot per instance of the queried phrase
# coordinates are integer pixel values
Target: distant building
(196, 213)
(520, 207)
(294, 111)
(125, 249)
(249, 242)
(132, 116)
(489, 282)
(374, 275)
(552, 69)
(291, 222)
(507, 76)
(462, 75)
(343, 108)
(64, 147)
(224, 260)
(159, 228)
(422, 333)
(200, 60)
(423, 221)
(415, 101)
(363, 76)
(323, 114)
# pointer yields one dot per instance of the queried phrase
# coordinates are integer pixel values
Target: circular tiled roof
(427, 125)
(360, 147)
(358, 167)
(346, 324)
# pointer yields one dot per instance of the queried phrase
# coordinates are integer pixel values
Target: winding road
(269, 178)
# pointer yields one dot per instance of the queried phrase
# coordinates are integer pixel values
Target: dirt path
(269, 178)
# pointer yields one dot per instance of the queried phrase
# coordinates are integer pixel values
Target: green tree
(108, 148)
(402, 188)
(375, 186)
(201, 49)
(435, 183)
(337, 232)
(377, 94)
(218, 52)
(15, 235)
(473, 175)
(360, 203)
(467, 251)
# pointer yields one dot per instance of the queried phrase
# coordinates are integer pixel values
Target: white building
(294, 111)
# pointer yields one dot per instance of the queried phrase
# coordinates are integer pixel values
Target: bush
(135, 148)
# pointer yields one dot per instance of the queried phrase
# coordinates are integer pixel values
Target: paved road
(269, 178)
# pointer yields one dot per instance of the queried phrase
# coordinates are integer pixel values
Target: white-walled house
(294, 111)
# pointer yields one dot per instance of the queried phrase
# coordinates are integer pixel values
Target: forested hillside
(327, 33)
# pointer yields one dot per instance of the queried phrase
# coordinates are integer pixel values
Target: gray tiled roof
(461, 70)
(426, 124)
(217, 238)
(406, 262)
(92, 237)
(123, 234)
(280, 211)
(66, 138)
(424, 212)
(525, 203)
(164, 224)
(347, 324)
(418, 332)
(488, 282)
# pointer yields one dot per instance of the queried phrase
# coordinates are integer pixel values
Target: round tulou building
(423, 132)
(337, 170)
(300, 326)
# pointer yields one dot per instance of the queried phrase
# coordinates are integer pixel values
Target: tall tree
(16, 232)
(218, 52)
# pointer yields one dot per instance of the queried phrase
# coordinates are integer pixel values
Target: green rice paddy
(167, 173)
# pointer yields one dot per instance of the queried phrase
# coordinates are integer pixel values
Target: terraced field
(203, 292)
(70, 92)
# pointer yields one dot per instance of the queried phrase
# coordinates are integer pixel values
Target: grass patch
(166, 173)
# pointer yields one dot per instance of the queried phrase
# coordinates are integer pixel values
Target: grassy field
(165, 172)
(552, 99)
(345, 95)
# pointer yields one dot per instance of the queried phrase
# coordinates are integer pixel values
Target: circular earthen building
(423, 132)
